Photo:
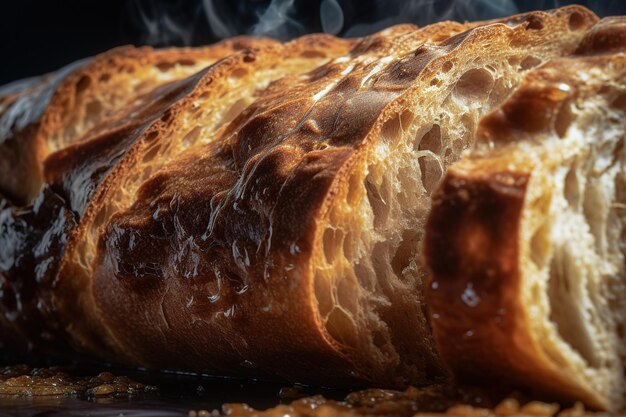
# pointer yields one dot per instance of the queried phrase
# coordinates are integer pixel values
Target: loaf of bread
(527, 235)
(264, 216)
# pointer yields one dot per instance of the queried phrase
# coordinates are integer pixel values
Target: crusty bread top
(54, 97)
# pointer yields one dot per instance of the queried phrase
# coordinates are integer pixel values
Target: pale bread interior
(574, 243)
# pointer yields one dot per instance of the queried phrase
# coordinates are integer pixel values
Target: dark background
(37, 36)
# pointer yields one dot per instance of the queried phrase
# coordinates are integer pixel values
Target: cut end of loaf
(575, 264)
(540, 302)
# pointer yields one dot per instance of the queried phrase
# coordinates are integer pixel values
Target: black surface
(176, 395)
(38, 36)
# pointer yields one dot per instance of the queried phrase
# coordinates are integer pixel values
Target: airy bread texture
(264, 216)
(527, 236)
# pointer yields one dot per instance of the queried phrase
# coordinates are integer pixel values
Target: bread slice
(526, 240)
(63, 106)
(288, 246)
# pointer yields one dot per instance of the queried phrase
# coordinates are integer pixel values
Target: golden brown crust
(215, 81)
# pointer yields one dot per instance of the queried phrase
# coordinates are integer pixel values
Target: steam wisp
(183, 22)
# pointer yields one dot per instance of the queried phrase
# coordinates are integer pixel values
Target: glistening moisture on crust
(231, 84)
(199, 125)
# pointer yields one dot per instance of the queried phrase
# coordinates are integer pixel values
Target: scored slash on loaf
(258, 208)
